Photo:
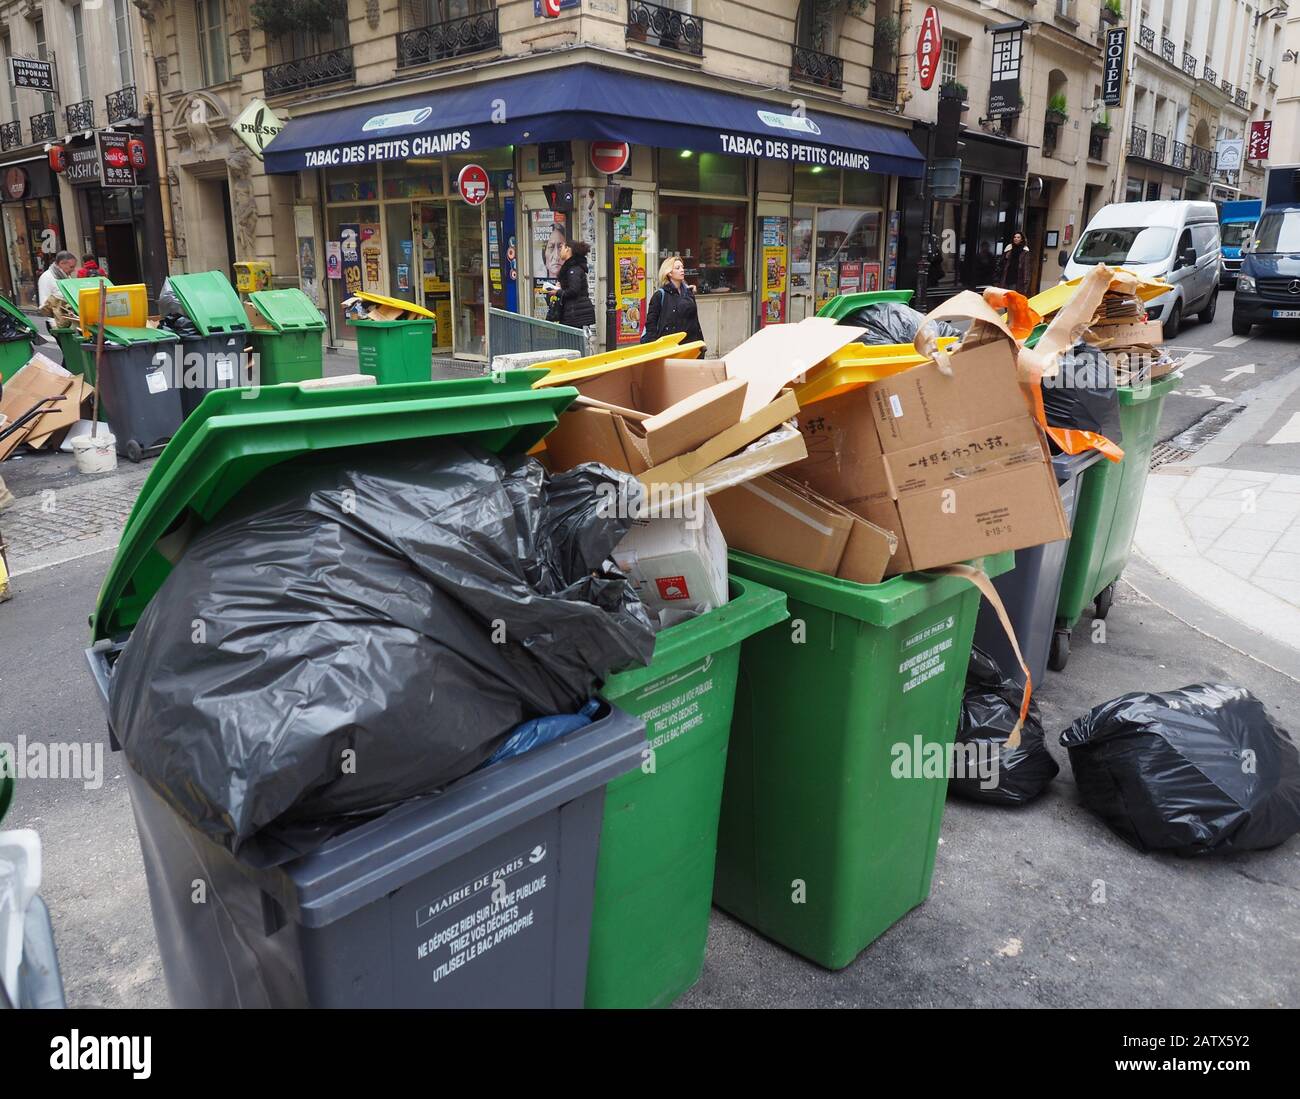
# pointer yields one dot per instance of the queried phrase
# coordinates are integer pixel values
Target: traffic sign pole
(487, 296)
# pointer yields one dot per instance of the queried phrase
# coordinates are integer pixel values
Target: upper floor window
(427, 13)
(949, 58)
(122, 34)
(38, 24)
(814, 27)
(292, 37)
(214, 52)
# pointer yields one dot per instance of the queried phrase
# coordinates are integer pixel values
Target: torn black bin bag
(889, 322)
(1083, 394)
(1205, 768)
(990, 772)
(353, 634)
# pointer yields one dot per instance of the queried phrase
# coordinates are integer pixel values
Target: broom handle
(99, 362)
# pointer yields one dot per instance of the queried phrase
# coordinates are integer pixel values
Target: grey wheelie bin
(1030, 590)
(477, 896)
(214, 358)
(138, 388)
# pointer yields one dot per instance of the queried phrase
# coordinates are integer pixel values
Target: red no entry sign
(609, 157)
(473, 184)
(550, 8)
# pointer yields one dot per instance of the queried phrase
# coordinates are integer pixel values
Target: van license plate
(1286, 314)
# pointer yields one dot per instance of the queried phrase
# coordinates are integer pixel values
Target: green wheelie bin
(290, 350)
(395, 351)
(842, 305)
(16, 351)
(833, 795)
(1110, 501)
(654, 876)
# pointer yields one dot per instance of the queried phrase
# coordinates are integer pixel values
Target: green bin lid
(289, 310)
(17, 314)
(71, 289)
(235, 434)
(123, 337)
(841, 306)
(210, 302)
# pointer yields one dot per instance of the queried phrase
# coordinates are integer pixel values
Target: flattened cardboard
(777, 518)
(1141, 334)
(40, 378)
(776, 355)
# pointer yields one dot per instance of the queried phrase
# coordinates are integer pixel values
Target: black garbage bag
(990, 772)
(168, 302)
(1083, 395)
(180, 324)
(1204, 768)
(12, 329)
(354, 634)
(893, 322)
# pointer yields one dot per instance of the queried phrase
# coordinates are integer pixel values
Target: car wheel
(1206, 315)
(1240, 326)
(1174, 321)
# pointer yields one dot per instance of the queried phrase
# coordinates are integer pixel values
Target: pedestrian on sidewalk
(1015, 265)
(61, 268)
(575, 307)
(672, 306)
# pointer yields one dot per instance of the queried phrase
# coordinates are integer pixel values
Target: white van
(1175, 241)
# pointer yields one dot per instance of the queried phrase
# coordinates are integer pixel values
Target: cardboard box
(1141, 334)
(676, 564)
(41, 378)
(955, 465)
(778, 354)
(780, 519)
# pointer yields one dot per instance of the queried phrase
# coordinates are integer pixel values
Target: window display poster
(891, 255)
(403, 276)
(773, 232)
(851, 277)
(494, 254)
(350, 245)
(630, 268)
(372, 255)
(870, 276)
(775, 258)
(333, 259)
(308, 273)
(548, 239)
(828, 282)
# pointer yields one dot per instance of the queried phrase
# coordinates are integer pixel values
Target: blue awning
(587, 102)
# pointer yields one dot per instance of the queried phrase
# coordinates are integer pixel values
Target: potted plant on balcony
(953, 89)
(1058, 109)
(1101, 125)
(1112, 11)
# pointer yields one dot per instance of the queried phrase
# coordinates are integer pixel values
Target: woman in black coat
(576, 309)
(672, 306)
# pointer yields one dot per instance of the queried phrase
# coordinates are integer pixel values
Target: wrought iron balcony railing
(812, 67)
(1167, 50)
(11, 135)
(1209, 75)
(1147, 37)
(1202, 161)
(1158, 144)
(330, 67)
(884, 86)
(80, 116)
(1137, 141)
(121, 105)
(1097, 143)
(1226, 85)
(43, 127)
(1240, 98)
(657, 25)
(1178, 155)
(451, 38)
(1189, 64)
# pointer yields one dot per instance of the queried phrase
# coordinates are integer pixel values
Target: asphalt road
(1226, 373)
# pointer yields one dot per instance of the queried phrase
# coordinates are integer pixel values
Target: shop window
(353, 184)
(864, 189)
(813, 183)
(362, 254)
(711, 239)
(420, 177)
(1133, 190)
(499, 164)
(703, 173)
(214, 53)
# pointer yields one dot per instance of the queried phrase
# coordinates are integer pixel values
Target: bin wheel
(134, 451)
(1105, 600)
(1059, 655)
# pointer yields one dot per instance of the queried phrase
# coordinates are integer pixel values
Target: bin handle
(981, 580)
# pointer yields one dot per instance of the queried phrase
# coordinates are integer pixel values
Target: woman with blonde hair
(672, 306)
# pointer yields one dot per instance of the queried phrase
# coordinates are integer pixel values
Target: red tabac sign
(1261, 137)
(929, 43)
